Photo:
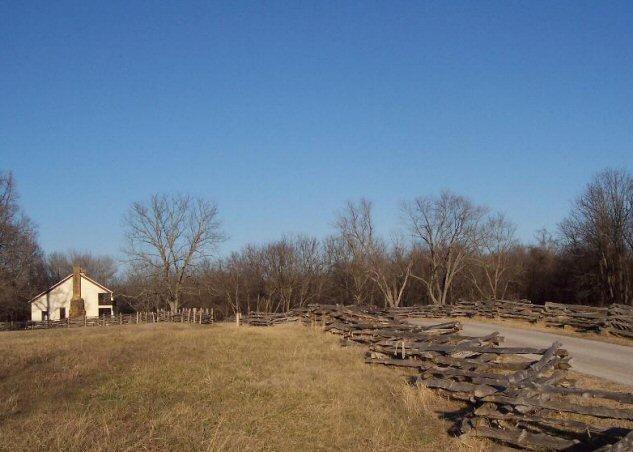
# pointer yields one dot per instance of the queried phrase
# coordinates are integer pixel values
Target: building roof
(63, 280)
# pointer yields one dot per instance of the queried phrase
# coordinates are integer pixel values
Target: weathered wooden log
(589, 393)
(448, 385)
(551, 424)
(524, 439)
(597, 411)
(548, 361)
(395, 362)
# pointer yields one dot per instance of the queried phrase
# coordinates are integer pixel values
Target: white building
(55, 303)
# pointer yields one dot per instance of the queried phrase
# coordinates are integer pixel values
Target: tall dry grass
(190, 387)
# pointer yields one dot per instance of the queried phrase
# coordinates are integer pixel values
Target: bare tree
(493, 260)
(280, 274)
(390, 269)
(310, 264)
(101, 268)
(230, 281)
(138, 291)
(168, 237)
(446, 229)
(341, 286)
(356, 234)
(387, 267)
(22, 270)
(231, 284)
(274, 277)
(600, 229)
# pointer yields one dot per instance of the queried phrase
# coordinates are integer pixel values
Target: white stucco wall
(60, 297)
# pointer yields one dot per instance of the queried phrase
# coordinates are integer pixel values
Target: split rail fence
(189, 315)
(518, 396)
(616, 319)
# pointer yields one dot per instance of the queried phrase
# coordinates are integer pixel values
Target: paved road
(601, 359)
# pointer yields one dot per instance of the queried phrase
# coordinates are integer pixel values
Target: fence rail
(192, 315)
(615, 319)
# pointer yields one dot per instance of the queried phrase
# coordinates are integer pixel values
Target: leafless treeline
(448, 248)
(22, 268)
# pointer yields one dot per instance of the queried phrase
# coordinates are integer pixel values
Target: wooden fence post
(237, 318)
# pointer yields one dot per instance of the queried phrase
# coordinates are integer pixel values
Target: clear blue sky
(282, 111)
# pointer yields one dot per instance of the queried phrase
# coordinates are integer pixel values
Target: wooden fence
(519, 396)
(269, 319)
(615, 319)
(189, 315)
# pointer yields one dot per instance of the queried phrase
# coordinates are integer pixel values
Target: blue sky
(282, 111)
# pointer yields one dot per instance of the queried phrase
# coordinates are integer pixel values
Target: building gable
(85, 280)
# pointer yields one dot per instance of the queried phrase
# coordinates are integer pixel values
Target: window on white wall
(104, 298)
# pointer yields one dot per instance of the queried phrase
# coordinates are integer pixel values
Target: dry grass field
(191, 387)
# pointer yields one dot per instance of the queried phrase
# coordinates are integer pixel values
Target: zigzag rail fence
(517, 396)
(615, 319)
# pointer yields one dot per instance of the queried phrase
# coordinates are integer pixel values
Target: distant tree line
(448, 248)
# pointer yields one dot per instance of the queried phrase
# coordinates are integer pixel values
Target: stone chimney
(77, 308)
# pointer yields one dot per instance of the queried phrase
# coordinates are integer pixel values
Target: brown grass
(190, 387)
